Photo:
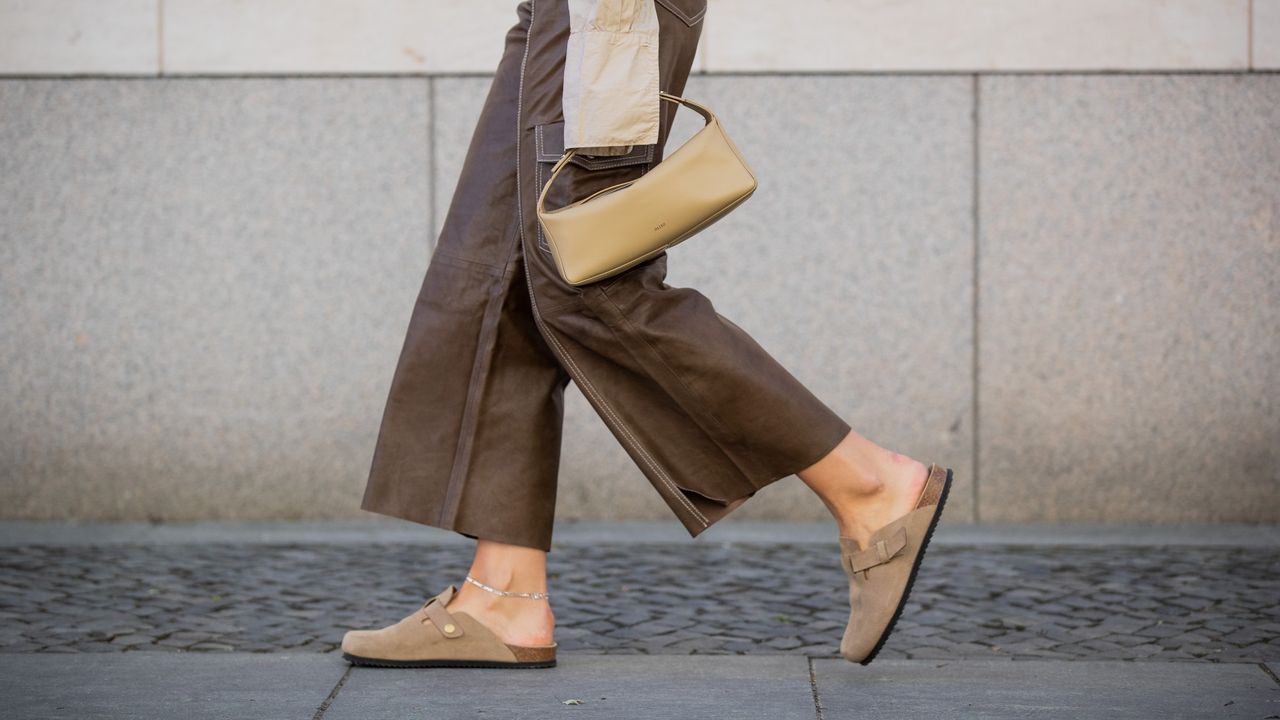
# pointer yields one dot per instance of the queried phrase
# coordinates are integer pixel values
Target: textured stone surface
(152, 685)
(1266, 34)
(172, 251)
(336, 36)
(904, 689)
(455, 105)
(995, 35)
(327, 36)
(79, 36)
(1129, 304)
(442, 36)
(205, 286)
(1063, 603)
(610, 687)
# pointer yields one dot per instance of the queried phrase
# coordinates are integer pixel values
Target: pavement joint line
(1267, 669)
(813, 686)
(333, 694)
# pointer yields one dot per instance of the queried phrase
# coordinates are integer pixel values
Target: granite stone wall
(1046, 258)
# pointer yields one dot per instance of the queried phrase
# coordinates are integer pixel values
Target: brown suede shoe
(434, 637)
(881, 575)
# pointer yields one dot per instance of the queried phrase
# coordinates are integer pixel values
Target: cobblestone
(1148, 603)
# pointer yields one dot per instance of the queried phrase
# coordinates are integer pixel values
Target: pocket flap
(549, 143)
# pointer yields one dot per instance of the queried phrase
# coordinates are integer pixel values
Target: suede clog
(881, 574)
(435, 637)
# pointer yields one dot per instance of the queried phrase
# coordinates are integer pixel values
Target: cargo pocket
(585, 174)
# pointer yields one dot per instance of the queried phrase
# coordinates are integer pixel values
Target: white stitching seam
(590, 388)
(688, 19)
(582, 379)
(542, 242)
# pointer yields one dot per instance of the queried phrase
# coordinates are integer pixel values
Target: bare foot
(902, 481)
(515, 620)
(865, 486)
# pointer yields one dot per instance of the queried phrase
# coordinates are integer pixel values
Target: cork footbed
(533, 653)
(527, 656)
(933, 486)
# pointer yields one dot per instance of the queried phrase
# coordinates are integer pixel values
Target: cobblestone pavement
(1149, 603)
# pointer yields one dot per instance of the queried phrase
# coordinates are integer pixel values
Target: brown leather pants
(470, 438)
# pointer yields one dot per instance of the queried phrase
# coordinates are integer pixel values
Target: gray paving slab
(891, 689)
(159, 685)
(612, 687)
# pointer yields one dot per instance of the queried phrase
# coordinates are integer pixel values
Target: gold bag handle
(702, 110)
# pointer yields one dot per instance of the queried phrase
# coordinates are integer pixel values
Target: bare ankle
(508, 568)
(876, 498)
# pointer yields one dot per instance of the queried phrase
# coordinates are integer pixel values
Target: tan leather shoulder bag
(625, 224)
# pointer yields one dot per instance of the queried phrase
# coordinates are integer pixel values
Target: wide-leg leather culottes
(470, 436)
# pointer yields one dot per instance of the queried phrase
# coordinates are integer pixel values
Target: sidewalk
(235, 620)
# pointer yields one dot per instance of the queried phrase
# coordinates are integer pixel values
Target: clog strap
(879, 553)
(441, 618)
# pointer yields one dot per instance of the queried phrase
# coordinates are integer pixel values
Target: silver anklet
(508, 593)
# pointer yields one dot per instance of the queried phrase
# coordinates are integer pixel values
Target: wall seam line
(160, 38)
(1250, 39)
(976, 222)
(431, 163)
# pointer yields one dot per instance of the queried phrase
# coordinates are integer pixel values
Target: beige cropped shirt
(611, 76)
